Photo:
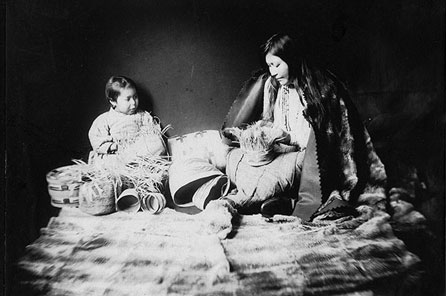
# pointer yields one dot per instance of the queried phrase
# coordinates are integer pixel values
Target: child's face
(127, 102)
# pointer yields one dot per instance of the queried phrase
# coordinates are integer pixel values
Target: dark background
(190, 59)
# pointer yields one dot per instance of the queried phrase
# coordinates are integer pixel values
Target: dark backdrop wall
(190, 59)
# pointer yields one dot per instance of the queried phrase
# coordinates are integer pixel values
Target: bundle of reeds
(258, 137)
(257, 141)
(145, 174)
(142, 160)
(148, 140)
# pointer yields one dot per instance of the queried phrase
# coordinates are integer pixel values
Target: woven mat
(170, 254)
(351, 258)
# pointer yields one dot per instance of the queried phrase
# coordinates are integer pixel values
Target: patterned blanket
(173, 254)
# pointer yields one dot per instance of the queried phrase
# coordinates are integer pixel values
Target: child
(125, 128)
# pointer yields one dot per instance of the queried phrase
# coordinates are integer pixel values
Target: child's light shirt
(115, 127)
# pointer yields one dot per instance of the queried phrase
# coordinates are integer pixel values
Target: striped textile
(290, 258)
(172, 254)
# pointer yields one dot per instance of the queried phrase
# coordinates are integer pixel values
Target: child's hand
(113, 148)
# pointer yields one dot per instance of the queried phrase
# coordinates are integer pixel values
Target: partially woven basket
(63, 186)
(257, 141)
(98, 198)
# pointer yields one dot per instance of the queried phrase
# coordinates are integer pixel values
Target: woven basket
(63, 186)
(98, 198)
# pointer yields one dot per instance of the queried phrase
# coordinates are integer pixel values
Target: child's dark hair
(115, 84)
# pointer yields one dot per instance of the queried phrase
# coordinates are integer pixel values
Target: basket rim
(51, 175)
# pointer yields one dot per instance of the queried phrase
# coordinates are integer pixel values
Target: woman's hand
(113, 148)
(230, 136)
(285, 138)
(284, 145)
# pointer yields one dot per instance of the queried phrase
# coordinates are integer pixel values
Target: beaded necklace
(286, 108)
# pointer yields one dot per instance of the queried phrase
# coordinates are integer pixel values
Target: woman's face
(278, 68)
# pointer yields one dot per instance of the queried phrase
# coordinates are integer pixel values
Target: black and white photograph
(223, 147)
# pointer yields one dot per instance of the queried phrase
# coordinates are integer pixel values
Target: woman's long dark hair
(301, 76)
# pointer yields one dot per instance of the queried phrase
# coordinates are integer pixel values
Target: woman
(340, 169)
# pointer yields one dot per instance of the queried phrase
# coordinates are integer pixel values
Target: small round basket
(63, 186)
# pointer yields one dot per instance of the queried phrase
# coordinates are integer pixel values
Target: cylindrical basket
(63, 186)
(128, 201)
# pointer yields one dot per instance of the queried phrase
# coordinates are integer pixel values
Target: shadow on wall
(145, 99)
(411, 143)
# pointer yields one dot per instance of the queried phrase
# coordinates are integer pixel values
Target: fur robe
(343, 168)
